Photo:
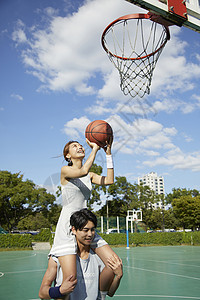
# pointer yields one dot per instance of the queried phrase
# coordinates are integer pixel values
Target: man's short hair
(80, 218)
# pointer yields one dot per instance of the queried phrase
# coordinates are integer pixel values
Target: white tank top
(76, 192)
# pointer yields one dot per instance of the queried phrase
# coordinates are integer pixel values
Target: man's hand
(115, 263)
(68, 285)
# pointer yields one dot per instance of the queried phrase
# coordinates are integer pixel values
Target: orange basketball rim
(134, 45)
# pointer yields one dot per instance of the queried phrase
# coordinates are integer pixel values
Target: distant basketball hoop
(133, 216)
(134, 45)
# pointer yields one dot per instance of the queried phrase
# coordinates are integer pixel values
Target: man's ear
(73, 230)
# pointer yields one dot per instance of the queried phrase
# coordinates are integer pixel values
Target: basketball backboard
(179, 12)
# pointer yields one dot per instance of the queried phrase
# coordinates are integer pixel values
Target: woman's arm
(70, 172)
(109, 179)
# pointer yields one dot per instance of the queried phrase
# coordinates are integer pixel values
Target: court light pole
(107, 214)
(163, 216)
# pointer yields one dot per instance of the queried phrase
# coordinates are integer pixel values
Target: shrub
(156, 238)
(136, 239)
(43, 236)
(115, 238)
(192, 238)
(15, 241)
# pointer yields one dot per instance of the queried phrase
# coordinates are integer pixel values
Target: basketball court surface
(149, 273)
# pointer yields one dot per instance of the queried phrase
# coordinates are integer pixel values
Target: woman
(76, 180)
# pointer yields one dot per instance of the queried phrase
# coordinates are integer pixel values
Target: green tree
(33, 222)
(19, 199)
(146, 197)
(54, 213)
(160, 219)
(97, 190)
(123, 196)
(170, 220)
(156, 219)
(126, 196)
(178, 192)
(187, 210)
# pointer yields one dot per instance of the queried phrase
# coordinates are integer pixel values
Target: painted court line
(165, 262)
(158, 296)
(23, 257)
(26, 271)
(159, 272)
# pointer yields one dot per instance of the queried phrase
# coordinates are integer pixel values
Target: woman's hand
(93, 145)
(107, 148)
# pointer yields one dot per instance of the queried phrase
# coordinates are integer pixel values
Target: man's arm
(67, 286)
(47, 280)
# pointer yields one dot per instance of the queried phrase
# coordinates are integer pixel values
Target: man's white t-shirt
(88, 271)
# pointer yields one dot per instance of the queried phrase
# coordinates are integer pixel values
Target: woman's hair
(80, 218)
(66, 151)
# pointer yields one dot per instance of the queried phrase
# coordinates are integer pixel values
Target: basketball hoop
(134, 48)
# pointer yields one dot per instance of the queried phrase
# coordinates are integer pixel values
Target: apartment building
(156, 183)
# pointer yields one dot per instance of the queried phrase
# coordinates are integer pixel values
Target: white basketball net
(134, 46)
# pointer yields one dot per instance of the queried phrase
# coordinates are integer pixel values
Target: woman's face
(76, 150)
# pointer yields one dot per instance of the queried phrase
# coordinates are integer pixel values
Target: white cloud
(173, 71)
(67, 53)
(178, 160)
(50, 11)
(18, 34)
(188, 108)
(99, 109)
(170, 131)
(142, 135)
(198, 56)
(156, 141)
(151, 153)
(146, 138)
(187, 138)
(197, 97)
(76, 127)
(167, 105)
(110, 89)
(16, 96)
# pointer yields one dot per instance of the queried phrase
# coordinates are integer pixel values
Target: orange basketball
(99, 132)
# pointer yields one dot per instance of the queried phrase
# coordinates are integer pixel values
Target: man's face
(86, 235)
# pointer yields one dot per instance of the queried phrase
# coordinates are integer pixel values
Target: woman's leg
(106, 278)
(107, 275)
(68, 266)
(105, 252)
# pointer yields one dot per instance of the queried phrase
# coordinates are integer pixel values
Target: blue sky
(56, 78)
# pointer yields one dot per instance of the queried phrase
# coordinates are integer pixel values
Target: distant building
(156, 183)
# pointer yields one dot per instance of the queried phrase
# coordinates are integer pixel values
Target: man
(94, 280)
